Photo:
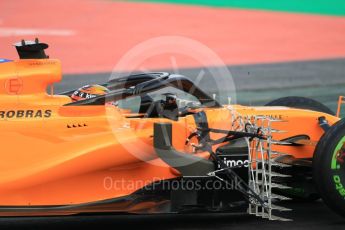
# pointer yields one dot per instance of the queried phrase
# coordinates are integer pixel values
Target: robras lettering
(13, 114)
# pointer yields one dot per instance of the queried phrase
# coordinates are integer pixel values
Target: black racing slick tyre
(301, 103)
(305, 191)
(329, 167)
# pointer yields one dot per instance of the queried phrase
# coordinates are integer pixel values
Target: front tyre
(329, 167)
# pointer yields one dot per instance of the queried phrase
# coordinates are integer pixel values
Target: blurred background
(272, 48)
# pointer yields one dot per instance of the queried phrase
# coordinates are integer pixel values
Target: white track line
(9, 32)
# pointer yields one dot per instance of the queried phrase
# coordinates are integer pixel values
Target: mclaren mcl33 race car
(102, 155)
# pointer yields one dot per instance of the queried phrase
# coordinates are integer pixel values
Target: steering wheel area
(169, 108)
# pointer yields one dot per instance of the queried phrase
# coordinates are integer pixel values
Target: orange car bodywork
(58, 155)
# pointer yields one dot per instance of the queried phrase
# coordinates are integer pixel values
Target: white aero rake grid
(262, 158)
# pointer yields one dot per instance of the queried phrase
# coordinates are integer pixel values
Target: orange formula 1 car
(156, 143)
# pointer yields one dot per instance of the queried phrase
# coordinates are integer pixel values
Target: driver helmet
(88, 91)
(170, 98)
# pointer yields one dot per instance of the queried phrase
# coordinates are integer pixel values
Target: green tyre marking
(339, 186)
(335, 166)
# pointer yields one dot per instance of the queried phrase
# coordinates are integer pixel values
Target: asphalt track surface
(305, 216)
(323, 80)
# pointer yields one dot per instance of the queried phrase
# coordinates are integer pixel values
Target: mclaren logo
(25, 114)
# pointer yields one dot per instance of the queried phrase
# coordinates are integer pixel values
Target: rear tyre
(302, 190)
(329, 167)
(301, 103)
